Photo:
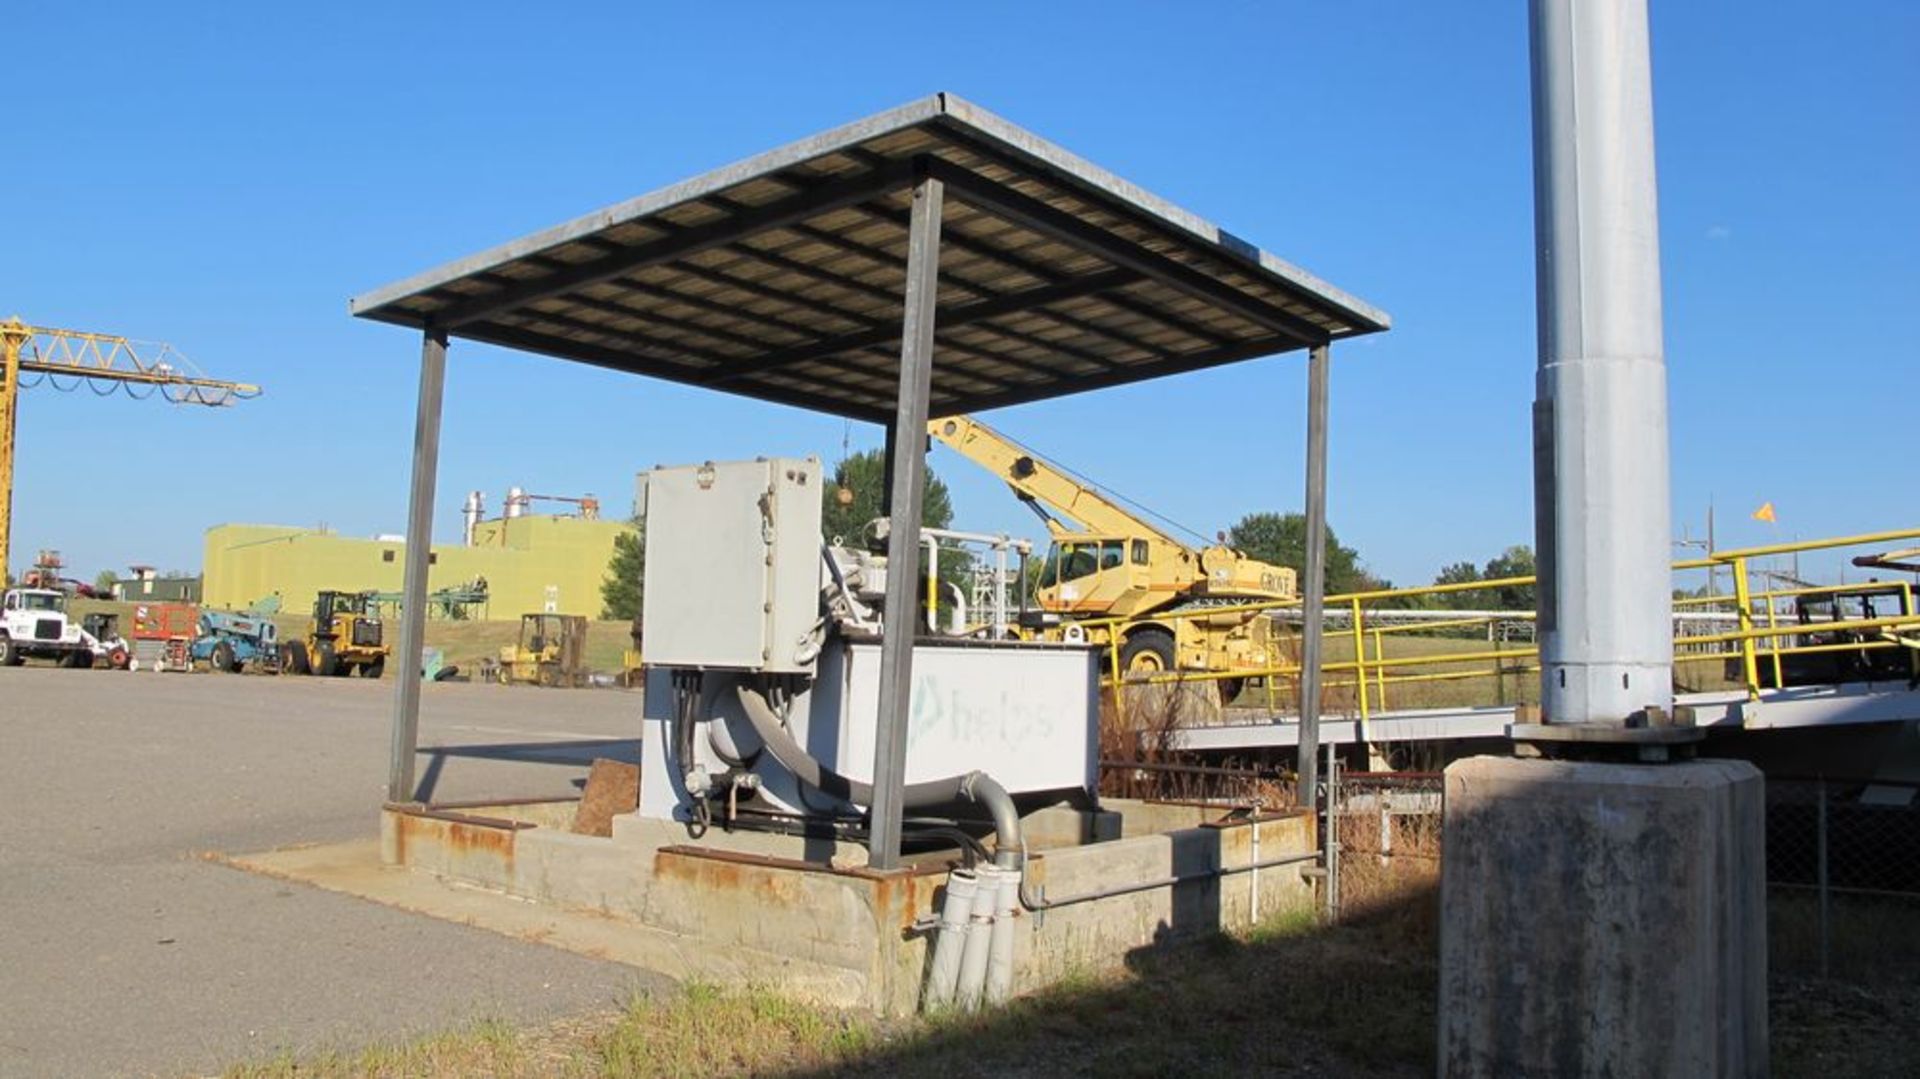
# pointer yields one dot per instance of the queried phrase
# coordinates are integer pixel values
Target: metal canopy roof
(781, 277)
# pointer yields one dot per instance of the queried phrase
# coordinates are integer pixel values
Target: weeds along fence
(1387, 829)
(1843, 857)
(1843, 869)
(1843, 864)
(1139, 757)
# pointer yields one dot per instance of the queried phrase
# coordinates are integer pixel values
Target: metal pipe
(933, 581)
(943, 970)
(976, 787)
(1332, 836)
(979, 940)
(1000, 944)
(1600, 415)
(1314, 586)
(1032, 898)
(1253, 882)
(413, 612)
(908, 486)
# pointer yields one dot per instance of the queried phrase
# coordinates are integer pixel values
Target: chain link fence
(1843, 869)
(1843, 864)
(1843, 857)
(1386, 827)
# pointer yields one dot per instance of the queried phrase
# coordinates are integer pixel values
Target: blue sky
(225, 177)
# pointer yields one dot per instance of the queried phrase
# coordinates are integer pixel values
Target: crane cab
(1097, 575)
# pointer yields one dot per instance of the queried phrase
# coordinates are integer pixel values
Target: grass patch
(489, 1048)
(1209, 1009)
(1290, 997)
(469, 641)
(1871, 939)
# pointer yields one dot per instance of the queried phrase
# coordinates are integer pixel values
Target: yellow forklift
(552, 652)
(345, 637)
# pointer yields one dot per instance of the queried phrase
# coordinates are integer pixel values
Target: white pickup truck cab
(33, 622)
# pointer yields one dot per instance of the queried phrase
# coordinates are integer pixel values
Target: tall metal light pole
(1601, 516)
(1599, 916)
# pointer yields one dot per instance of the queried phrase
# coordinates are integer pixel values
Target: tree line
(1281, 539)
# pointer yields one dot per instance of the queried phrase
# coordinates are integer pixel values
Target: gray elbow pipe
(976, 787)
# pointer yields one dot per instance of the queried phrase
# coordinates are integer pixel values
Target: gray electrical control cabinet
(733, 565)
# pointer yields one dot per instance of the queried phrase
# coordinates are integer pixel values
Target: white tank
(516, 501)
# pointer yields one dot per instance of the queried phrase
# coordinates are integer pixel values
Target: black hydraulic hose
(972, 851)
(686, 701)
(976, 787)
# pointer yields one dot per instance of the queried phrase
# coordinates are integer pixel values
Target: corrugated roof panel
(781, 276)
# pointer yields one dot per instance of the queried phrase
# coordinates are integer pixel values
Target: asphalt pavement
(126, 950)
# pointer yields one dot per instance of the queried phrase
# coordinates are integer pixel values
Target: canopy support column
(907, 476)
(413, 610)
(1314, 583)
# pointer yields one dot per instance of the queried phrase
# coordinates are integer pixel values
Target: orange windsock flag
(1764, 513)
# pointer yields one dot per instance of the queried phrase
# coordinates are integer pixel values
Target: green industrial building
(530, 562)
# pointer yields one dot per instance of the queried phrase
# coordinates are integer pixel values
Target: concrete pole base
(1603, 919)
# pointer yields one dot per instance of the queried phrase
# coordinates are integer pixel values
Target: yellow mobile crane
(1106, 562)
(101, 360)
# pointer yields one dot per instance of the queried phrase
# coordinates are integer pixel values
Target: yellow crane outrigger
(1106, 562)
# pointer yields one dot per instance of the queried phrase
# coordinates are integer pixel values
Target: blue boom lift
(229, 642)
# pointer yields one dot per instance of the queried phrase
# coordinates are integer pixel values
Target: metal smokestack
(516, 502)
(1600, 416)
(473, 510)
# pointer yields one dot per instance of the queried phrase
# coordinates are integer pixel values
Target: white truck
(33, 622)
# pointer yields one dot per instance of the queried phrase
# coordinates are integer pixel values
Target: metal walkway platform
(1775, 709)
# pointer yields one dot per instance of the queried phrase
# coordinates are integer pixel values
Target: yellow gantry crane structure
(65, 359)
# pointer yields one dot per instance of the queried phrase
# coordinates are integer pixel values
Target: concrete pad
(1603, 919)
(794, 919)
(355, 868)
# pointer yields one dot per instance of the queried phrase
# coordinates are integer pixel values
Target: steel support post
(907, 484)
(1314, 585)
(413, 610)
(887, 448)
(12, 341)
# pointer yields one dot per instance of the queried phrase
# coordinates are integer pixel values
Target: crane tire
(1148, 650)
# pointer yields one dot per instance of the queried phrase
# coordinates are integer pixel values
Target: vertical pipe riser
(979, 940)
(943, 974)
(1000, 947)
(1601, 416)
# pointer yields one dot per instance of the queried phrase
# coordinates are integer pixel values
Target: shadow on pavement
(577, 754)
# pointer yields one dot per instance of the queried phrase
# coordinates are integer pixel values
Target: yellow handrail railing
(1372, 674)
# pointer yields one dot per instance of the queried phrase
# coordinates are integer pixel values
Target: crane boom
(1037, 479)
(1116, 565)
(99, 359)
